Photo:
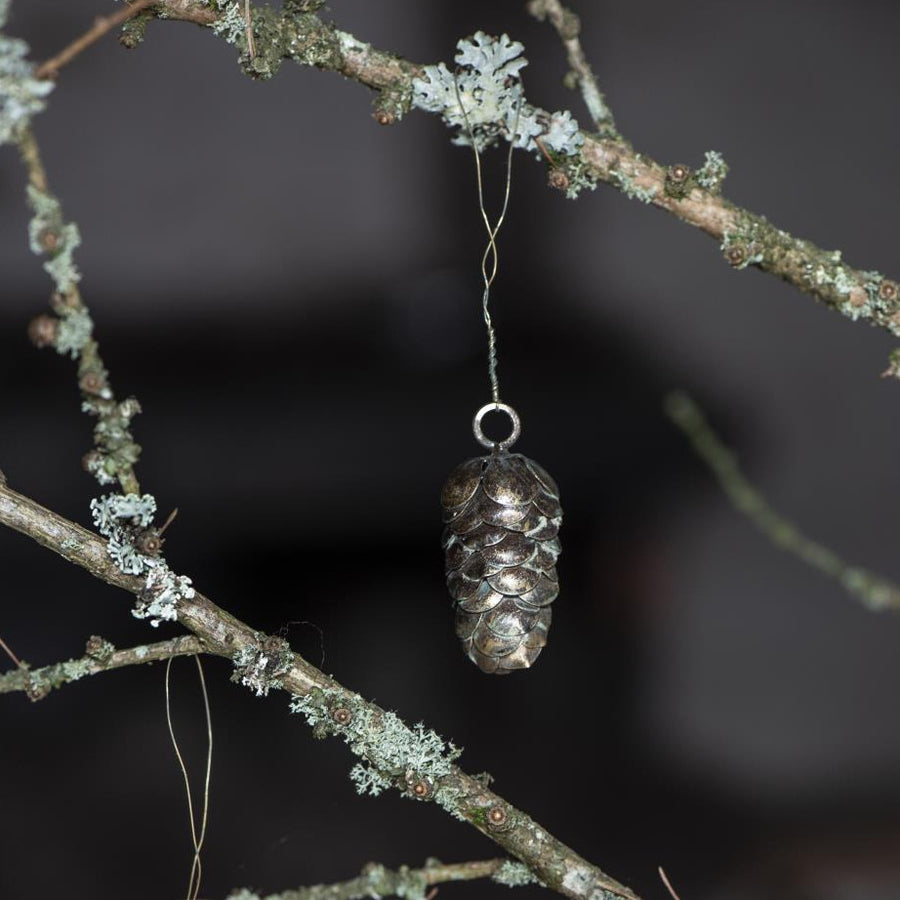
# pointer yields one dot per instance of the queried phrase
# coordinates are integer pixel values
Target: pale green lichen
(308, 41)
(712, 173)
(390, 752)
(42, 681)
(882, 297)
(448, 799)
(580, 881)
(73, 332)
(99, 649)
(580, 177)
(259, 668)
(75, 669)
(121, 518)
(744, 245)
(49, 235)
(100, 467)
(61, 267)
(116, 450)
(484, 99)
(231, 25)
(375, 881)
(367, 780)
(111, 511)
(162, 592)
(843, 282)
(514, 874)
(631, 189)
(407, 883)
(21, 94)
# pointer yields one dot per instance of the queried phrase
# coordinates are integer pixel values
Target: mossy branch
(872, 590)
(70, 331)
(412, 884)
(100, 656)
(693, 196)
(568, 27)
(746, 238)
(390, 749)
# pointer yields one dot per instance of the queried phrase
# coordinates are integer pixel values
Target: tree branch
(746, 238)
(8, 651)
(377, 881)
(70, 332)
(568, 27)
(102, 25)
(100, 656)
(394, 754)
(872, 590)
(413, 760)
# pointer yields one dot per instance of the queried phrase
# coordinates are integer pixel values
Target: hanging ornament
(502, 516)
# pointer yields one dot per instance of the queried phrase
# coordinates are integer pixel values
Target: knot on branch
(42, 331)
(679, 181)
(99, 648)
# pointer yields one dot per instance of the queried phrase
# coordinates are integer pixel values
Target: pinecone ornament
(503, 515)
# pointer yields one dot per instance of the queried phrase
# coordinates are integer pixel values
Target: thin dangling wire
(490, 251)
(193, 890)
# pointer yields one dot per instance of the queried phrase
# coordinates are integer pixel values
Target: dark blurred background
(292, 293)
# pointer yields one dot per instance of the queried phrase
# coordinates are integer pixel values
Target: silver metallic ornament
(502, 516)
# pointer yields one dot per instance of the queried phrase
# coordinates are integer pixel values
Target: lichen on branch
(135, 548)
(466, 797)
(874, 591)
(605, 156)
(100, 656)
(484, 100)
(391, 753)
(377, 881)
(22, 95)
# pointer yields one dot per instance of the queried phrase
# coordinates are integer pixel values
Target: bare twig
(464, 796)
(11, 655)
(377, 881)
(668, 884)
(102, 25)
(874, 591)
(101, 656)
(568, 27)
(31, 158)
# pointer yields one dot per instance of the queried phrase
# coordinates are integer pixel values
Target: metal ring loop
(486, 441)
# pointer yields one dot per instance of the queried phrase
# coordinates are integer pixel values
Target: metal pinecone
(503, 515)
